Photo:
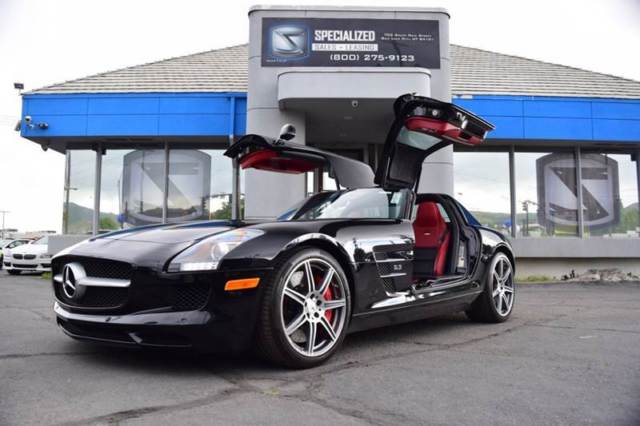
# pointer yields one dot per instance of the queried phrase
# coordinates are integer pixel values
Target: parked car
(5, 250)
(32, 257)
(372, 253)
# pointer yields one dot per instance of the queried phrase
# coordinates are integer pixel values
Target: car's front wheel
(305, 310)
(495, 304)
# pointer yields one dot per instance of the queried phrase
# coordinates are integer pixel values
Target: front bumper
(37, 265)
(224, 324)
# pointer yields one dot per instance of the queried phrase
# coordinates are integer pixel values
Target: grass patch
(535, 279)
(46, 275)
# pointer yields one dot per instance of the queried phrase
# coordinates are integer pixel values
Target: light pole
(4, 212)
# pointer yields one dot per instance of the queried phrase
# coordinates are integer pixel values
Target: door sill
(429, 284)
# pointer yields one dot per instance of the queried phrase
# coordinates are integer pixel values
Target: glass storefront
(79, 192)
(133, 184)
(610, 195)
(111, 190)
(198, 185)
(482, 185)
(548, 187)
(546, 197)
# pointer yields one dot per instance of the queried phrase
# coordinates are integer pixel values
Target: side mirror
(287, 132)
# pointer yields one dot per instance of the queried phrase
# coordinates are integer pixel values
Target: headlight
(207, 254)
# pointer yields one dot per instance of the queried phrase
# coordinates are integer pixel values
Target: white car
(31, 257)
(5, 249)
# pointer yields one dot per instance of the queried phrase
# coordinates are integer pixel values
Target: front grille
(145, 292)
(17, 265)
(96, 297)
(106, 268)
(17, 256)
(29, 256)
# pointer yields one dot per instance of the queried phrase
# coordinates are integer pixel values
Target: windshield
(368, 203)
(41, 241)
(15, 244)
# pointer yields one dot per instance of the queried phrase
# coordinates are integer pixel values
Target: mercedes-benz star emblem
(72, 274)
(289, 41)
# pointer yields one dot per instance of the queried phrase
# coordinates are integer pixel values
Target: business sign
(321, 42)
(558, 190)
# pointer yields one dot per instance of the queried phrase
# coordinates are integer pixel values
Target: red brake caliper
(328, 295)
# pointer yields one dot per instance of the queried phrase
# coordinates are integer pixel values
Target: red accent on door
(271, 160)
(442, 128)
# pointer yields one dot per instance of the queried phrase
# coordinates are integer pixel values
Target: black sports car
(372, 253)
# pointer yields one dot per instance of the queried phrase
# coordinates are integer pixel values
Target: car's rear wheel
(305, 310)
(13, 272)
(495, 304)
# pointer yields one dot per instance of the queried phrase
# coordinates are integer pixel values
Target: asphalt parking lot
(569, 355)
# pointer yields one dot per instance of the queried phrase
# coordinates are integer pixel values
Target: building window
(132, 190)
(200, 185)
(609, 194)
(142, 187)
(546, 194)
(79, 192)
(481, 184)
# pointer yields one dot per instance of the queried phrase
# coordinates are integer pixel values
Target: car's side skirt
(412, 311)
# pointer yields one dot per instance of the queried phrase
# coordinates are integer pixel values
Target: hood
(148, 246)
(29, 249)
(171, 234)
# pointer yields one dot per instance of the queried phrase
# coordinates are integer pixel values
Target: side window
(444, 214)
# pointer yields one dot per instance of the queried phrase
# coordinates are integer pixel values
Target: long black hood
(149, 246)
(172, 234)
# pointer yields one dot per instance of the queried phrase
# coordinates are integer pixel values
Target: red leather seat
(432, 232)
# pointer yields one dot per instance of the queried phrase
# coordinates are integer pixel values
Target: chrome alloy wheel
(502, 285)
(313, 307)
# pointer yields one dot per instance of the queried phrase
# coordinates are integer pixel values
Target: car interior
(436, 240)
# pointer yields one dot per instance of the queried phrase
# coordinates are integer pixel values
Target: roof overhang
(129, 120)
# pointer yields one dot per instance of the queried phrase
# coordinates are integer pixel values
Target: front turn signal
(243, 284)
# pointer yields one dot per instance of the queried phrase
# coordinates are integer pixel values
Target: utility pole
(3, 212)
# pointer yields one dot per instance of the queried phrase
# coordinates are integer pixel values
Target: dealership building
(559, 175)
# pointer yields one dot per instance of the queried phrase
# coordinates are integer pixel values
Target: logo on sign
(289, 41)
(558, 190)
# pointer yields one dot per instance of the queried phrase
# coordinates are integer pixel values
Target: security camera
(354, 103)
(287, 132)
(27, 119)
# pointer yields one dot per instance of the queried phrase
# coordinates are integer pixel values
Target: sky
(49, 41)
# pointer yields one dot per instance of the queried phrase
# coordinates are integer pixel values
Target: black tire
(272, 342)
(484, 308)
(13, 272)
